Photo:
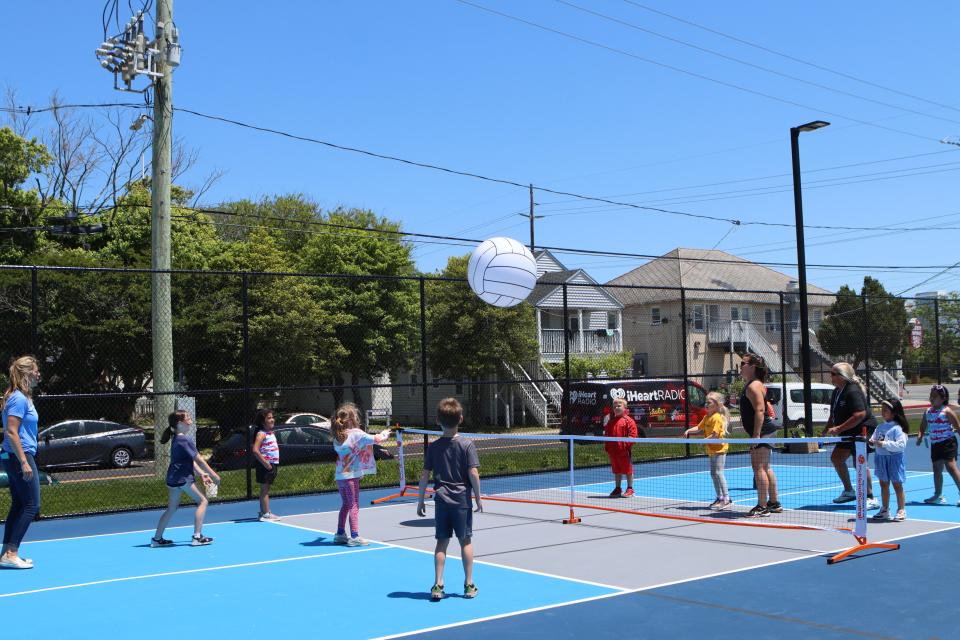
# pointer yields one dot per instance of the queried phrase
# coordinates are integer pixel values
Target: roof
(719, 273)
(577, 296)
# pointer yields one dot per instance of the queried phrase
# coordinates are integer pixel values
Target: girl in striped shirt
(267, 452)
(939, 424)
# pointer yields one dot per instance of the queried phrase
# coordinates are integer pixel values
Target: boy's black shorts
(452, 520)
(267, 477)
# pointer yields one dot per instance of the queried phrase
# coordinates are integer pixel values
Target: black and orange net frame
(568, 495)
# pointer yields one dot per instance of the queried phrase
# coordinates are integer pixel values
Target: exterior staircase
(541, 395)
(743, 336)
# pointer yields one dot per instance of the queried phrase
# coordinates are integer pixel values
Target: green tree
(378, 325)
(19, 208)
(871, 323)
(468, 338)
(923, 361)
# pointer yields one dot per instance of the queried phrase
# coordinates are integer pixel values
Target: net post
(573, 519)
(401, 471)
(860, 526)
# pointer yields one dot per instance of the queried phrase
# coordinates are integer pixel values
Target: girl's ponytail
(173, 420)
(723, 411)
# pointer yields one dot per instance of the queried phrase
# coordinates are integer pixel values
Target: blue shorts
(452, 520)
(890, 468)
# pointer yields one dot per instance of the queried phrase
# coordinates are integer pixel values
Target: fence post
(783, 367)
(565, 402)
(683, 327)
(866, 344)
(34, 304)
(936, 329)
(245, 335)
(423, 349)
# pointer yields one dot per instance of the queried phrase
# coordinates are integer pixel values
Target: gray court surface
(619, 550)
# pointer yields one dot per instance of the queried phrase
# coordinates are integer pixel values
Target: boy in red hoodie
(620, 425)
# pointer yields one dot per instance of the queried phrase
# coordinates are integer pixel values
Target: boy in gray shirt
(454, 463)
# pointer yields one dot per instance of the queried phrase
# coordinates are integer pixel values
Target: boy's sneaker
(881, 515)
(847, 495)
(901, 516)
(340, 538)
(936, 500)
(615, 493)
(160, 542)
(268, 517)
(200, 540)
(436, 592)
(628, 493)
(470, 591)
(759, 511)
(872, 503)
(357, 542)
(774, 507)
(715, 505)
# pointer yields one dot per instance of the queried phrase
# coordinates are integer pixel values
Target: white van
(820, 398)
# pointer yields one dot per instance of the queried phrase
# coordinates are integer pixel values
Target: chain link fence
(301, 344)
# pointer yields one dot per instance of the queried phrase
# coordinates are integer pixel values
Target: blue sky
(446, 83)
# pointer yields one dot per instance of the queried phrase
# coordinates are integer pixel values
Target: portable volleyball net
(671, 479)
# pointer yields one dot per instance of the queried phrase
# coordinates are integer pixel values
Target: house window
(745, 314)
(817, 318)
(734, 313)
(551, 320)
(655, 316)
(413, 381)
(698, 317)
(772, 319)
(573, 323)
(713, 314)
(612, 320)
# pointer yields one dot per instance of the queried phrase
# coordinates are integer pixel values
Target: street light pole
(802, 269)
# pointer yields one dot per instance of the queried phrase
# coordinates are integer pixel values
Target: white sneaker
(340, 538)
(845, 496)
(357, 542)
(936, 500)
(901, 516)
(873, 503)
(15, 562)
(268, 517)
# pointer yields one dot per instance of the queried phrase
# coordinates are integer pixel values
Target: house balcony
(582, 343)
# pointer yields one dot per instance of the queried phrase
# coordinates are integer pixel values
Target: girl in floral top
(354, 449)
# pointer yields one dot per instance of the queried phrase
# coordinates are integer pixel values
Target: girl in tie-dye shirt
(354, 449)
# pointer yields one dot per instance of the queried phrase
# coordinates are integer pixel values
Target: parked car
(90, 442)
(298, 444)
(302, 419)
(657, 405)
(44, 479)
(819, 398)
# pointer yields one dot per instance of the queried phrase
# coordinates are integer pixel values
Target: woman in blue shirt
(19, 448)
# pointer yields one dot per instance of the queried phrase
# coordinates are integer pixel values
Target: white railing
(549, 386)
(551, 342)
(742, 331)
(529, 392)
(883, 385)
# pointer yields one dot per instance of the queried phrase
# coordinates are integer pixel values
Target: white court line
(123, 533)
(187, 571)
(625, 591)
(450, 555)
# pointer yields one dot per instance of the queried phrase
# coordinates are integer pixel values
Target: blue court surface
(612, 576)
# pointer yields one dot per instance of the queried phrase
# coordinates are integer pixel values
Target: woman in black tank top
(753, 416)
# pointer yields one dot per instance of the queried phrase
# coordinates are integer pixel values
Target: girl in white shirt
(890, 441)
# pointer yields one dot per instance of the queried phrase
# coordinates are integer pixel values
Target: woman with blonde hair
(849, 414)
(19, 448)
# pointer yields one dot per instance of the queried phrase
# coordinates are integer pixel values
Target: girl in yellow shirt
(714, 425)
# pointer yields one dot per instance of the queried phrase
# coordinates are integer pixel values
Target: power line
(753, 65)
(789, 57)
(688, 72)
(474, 241)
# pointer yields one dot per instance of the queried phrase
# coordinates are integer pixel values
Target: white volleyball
(502, 272)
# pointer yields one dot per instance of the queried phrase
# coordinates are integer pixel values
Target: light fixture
(813, 126)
